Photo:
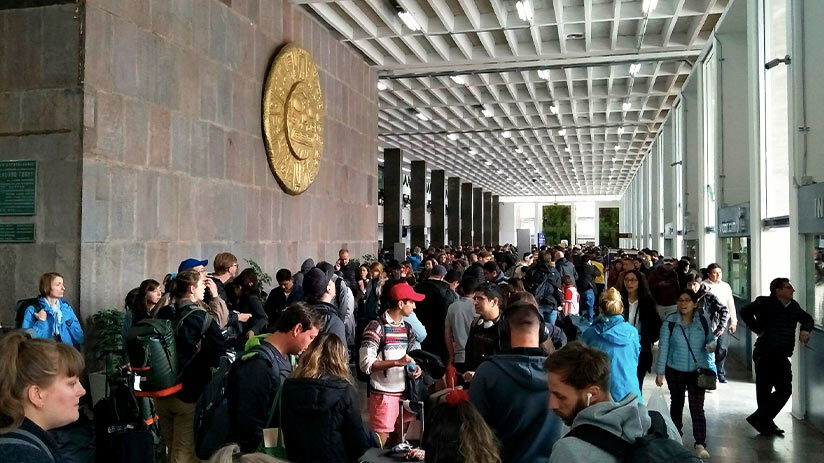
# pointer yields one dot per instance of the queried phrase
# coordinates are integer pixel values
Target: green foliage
(557, 224)
(366, 259)
(109, 342)
(608, 226)
(264, 279)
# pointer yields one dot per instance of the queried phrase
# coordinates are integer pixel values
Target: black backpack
(22, 305)
(126, 427)
(655, 446)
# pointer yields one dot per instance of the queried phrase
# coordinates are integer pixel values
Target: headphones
(589, 397)
(543, 327)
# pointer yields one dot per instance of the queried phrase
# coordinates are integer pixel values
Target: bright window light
(566, 149)
(409, 20)
(452, 136)
(562, 132)
(506, 134)
(634, 68)
(525, 11)
(616, 147)
(543, 74)
(649, 6)
(553, 109)
(620, 131)
(460, 79)
(382, 86)
(627, 106)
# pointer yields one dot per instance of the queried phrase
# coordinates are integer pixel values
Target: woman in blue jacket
(52, 317)
(686, 344)
(619, 339)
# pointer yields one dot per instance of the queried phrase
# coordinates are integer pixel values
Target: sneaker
(722, 379)
(701, 452)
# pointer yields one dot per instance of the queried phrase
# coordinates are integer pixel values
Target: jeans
(721, 354)
(588, 303)
(550, 314)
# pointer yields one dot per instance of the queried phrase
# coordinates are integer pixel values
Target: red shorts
(384, 411)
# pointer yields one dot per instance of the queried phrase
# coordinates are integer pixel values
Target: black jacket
(650, 320)
(708, 304)
(767, 317)
(565, 267)
(251, 304)
(432, 313)
(586, 276)
(278, 301)
(332, 321)
(322, 422)
(251, 392)
(23, 449)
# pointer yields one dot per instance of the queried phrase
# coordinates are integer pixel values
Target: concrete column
(478, 216)
(417, 216)
(436, 221)
(487, 218)
(392, 202)
(496, 221)
(466, 213)
(454, 222)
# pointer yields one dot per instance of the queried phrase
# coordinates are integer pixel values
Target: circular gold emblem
(293, 119)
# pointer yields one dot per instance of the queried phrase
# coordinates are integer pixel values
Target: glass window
(678, 166)
(817, 284)
(776, 162)
(710, 80)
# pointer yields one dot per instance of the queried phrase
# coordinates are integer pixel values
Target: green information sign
(18, 185)
(16, 233)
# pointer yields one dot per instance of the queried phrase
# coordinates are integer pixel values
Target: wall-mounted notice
(16, 233)
(18, 185)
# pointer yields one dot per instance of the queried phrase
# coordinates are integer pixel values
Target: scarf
(57, 315)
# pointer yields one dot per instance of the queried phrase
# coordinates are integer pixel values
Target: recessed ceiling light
(566, 149)
(575, 36)
(634, 68)
(382, 86)
(525, 11)
(459, 79)
(452, 136)
(499, 172)
(543, 74)
(553, 109)
(488, 163)
(506, 134)
(620, 130)
(472, 151)
(519, 150)
(616, 147)
(487, 112)
(649, 6)
(627, 106)
(421, 116)
(408, 19)
(562, 132)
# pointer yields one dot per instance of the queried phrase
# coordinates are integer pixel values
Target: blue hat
(191, 263)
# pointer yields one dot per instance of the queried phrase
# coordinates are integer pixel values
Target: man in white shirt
(723, 292)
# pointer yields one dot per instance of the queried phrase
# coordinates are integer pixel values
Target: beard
(580, 405)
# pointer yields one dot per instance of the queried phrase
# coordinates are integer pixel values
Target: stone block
(135, 132)
(246, 106)
(58, 200)
(218, 31)
(265, 213)
(95, 200)
(158, 263)
(125, 57)
(109, 125)
(200, 28)
(223, 113)
(172, 20)
(208, 76)
(181, 132)
(287, 18)
(167, 77)
(123, 203)
(134, 266)
(217, 152)
(205, 209)
(253, 213)
(265, 50)
(97, 69)
(61, 45)
(159, 137)
(135, 11)
(199, 150)
(11, 119)
(24, 51)
(233, 164)
(240, 44)
(168, 209)
(47, 110)
(108, 268)
(187, 220)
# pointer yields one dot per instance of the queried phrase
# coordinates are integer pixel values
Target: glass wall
(710, 87)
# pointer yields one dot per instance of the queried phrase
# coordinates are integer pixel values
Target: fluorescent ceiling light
(566, 149)
(620, 130)
(543, 74)
(616, 147)
(634, 68)
(422, 116)
(553, 109)
(382, 86)
(472, 151)
(487, 163)
(627, 106)
(487, 112)
(452, 136)
(506, 134)
(613, 159)
(499, 172)
(562, 132)
(459, 79)
(649, 6)
(519, 150)
(525, 11)
(409, 20)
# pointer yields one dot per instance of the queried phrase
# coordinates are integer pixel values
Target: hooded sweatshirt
(329, 404)
(510, 391)
(307, 265)
(619, 339)
(627, 418)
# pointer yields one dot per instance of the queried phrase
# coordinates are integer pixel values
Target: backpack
(126, 428)
(534, 278)
(655, 446)
(212, 421)
(22, 305)
(152, 353)
(360, 374)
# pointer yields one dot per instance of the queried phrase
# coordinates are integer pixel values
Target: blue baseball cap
(191, 263)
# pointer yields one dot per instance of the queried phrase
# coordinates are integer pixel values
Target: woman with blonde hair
(39, 390)
(319, 395)
(620, 341)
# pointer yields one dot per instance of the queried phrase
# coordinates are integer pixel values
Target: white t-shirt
(634, 317)
(723, 292)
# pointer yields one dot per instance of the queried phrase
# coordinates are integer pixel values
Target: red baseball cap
(403, 291)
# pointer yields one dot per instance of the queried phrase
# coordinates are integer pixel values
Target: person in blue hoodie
(620, 341)
(510, 390)
(52, 317)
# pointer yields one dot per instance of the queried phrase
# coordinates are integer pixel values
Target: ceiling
(547, 106)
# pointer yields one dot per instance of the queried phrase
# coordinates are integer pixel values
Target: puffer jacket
(321, 421)
(621, 342)
(673, 350)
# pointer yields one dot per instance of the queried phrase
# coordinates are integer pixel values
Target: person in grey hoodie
(509, 390)
(307, 265)
(578, 379)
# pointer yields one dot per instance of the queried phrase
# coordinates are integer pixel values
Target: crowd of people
(494, 351)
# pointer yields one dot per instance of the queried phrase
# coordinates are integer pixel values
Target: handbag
(272, 442)
(706, 377)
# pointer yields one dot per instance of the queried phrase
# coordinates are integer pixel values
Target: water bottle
(410, 367)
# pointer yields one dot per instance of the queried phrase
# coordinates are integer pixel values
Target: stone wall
(173, 158)
(41, 103)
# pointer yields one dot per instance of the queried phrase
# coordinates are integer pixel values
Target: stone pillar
(466, 213)
(454, 196)
(436, 214)
(496, 220)
(477, 216)
(487, 218)
(417, 217)
(392, 202)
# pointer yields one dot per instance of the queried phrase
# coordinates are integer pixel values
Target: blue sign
(541, 239)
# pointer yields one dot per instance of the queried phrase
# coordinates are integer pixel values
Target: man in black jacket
(774, 319)
(432, 310)
(319, 292)
(260, 372)
(286, 293)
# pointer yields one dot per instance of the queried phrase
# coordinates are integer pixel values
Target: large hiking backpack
(212, 421)
(655, 446)
(126, 427)
(152, 352)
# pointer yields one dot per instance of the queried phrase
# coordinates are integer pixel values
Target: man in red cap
(383, 356)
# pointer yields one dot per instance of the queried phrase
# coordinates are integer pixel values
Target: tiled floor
(731, 439)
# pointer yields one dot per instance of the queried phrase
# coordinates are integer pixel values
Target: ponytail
(27, 362)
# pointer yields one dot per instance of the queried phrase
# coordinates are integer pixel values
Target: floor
(731, 439)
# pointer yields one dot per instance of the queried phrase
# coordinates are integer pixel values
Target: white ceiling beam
(472, 13)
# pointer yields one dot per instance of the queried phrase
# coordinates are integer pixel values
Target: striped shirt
(399, 338)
